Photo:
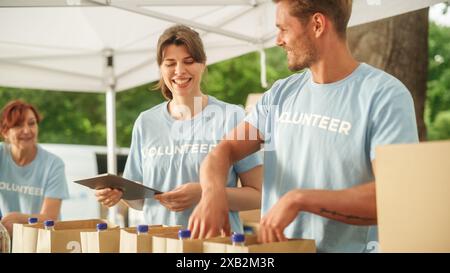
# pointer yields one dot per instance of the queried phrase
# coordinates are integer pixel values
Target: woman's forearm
(243, 198)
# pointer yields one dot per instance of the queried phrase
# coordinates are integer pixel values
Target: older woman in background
(32, 180)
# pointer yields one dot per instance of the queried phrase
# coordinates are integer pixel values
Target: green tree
(438, 97)
(234, 79)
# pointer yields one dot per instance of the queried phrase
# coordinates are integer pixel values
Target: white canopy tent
(109, 45)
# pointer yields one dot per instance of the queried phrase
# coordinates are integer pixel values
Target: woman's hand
(108, 197)
(182, 197)
(13, 218)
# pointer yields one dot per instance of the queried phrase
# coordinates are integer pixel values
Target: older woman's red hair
(13, 114)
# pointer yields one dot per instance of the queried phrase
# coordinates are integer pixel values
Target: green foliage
(234, 79)
(440, 128)
(438, 93)
(68, 117)
(80, 118)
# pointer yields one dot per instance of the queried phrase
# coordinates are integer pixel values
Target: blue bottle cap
(184, 233)
(32, 220)
(102, 226)
(49, 223)
(237, 238)
(142, 228)
(248, 229)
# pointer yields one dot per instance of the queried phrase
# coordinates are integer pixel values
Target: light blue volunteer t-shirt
(23, 189)
(166, 153)
(323, 136)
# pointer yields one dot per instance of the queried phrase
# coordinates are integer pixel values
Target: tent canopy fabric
(61, 44)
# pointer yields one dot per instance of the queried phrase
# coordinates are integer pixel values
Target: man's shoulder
(295, 78)
(287, 85)
(380, 88)
(382, 80)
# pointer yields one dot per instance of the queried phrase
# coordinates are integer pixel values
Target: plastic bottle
(184, 234)
(5, 240)
(102, 227)
(32, 220)
(49, 225)
(142, 229)
(238, 239)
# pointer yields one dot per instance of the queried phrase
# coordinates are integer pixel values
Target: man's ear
(319, 23)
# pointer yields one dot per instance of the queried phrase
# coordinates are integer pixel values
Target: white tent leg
(262, 64)
(111, 129)
(110, 83)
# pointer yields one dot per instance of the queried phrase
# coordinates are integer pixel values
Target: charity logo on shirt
(330, 124)
(29, 190)
(186, 148)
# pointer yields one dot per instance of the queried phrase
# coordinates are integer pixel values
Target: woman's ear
(5, 136)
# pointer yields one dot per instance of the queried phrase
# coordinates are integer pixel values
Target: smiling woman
(170, 140)
(32, 180)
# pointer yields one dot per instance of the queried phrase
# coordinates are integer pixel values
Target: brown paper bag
(252, 246)
(412, 190)
(24, 238)
(131, 242)
(106, 241)
(66, 236)
(169, 243)
(291, 246)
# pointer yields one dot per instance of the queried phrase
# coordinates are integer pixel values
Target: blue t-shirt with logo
(166, 153)
(323, 136)
(24, 188)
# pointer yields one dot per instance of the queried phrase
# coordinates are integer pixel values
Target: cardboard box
(413, 197)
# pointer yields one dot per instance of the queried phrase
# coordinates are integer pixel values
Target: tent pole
(111, 129)
(262, 64)
(110, 83)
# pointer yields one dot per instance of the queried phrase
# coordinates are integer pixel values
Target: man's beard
(305, 60)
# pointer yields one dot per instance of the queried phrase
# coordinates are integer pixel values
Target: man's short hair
(338, 11)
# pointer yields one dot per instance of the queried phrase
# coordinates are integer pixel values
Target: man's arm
(355, 206)
(210, 217)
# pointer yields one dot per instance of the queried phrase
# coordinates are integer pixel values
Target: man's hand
(182, 197)
(210, 217)
(278, 218)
